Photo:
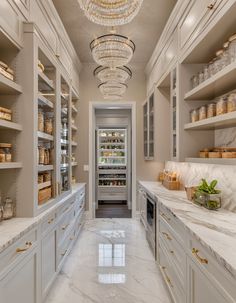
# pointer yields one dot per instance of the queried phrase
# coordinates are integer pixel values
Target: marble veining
(216, 230)
(111, 262)
(14, 229)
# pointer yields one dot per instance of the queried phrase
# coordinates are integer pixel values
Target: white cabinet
(143, 206)
(20, 284)
(148, 126)
(200, 288)
(48, 261)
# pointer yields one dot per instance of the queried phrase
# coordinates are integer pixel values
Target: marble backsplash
(225, 137)
(192, 173)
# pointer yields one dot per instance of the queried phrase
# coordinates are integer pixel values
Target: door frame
(93, 105)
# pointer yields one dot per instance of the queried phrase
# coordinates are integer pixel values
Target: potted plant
(207, 195)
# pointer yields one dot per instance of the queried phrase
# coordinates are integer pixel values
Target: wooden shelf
(73, 127)
(74, 109)
(10, 165)
(44, 82)
(112, 150)
(220, 83)
(64, 97)
(4, 124)
(74, 163)
(42, 168)
(73, 143)
(44, 101)
(64, 142)
(112, 186)
(44, 185)
(217, 122)
(220, 161)
(64, 165)
(45, 136)
(64, 111)
(9, 87)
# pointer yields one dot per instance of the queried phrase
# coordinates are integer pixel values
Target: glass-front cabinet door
(145, 129)
(65, 135)
(148, 128)
(151, 126)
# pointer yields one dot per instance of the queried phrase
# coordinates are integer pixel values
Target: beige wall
(146, 170)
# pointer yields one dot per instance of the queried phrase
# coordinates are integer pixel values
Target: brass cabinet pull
(167, 236)
(63, 254)
(212, 5)
(201, 260)
(172, 252)
(165, 217)
(50, 221)
(27, 246)
(65, 227)
(168, 280)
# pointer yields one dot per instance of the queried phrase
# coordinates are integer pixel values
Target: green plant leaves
(208, 188)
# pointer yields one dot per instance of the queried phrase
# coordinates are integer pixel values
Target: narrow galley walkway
(110, 263)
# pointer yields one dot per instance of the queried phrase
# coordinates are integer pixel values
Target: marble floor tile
(110, 263)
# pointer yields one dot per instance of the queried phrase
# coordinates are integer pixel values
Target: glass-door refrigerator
(112, 164)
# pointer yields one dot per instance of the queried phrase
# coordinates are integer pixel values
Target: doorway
(112, 160)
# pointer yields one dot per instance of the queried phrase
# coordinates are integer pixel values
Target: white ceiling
(144, 30)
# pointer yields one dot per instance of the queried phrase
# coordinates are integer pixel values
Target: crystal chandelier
(110, 12)
(120, 74)
(112, 90)
(112, 50)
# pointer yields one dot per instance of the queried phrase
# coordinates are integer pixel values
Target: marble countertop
(216, 230)
(14, 229)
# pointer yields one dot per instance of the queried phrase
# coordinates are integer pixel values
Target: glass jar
(219, 63)
(202, 112)
(221, 106)
(48, 126)
(200, 77)
(8, 211)
(211, 110)
(212, 67)
(5, 152)
(40, 120)
(41, 155)
(195, 81)
(232, 48)
(194, 115)
(206, 72)
(231, 103)
(226, 53)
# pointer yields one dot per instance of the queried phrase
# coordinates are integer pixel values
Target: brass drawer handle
(165, 217)
(201, 260)
(172, 252)
(167, 236)
(65, 227)
(63, 254)
(168, 280)
(212, 5)
(50, 221)
(27, 246)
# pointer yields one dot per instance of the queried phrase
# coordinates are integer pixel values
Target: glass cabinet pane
(151, 126)
(145, 129)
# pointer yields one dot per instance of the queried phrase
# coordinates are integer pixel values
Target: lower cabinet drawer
(79, 224)
(112, 193)
(18, 250)
(48, 222)
(64, 247)
(174, 250)
(210, 266)
(65, 224)
(170, 277)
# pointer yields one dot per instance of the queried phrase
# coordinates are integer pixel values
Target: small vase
(209, 201)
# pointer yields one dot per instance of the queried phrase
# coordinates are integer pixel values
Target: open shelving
(4, 124)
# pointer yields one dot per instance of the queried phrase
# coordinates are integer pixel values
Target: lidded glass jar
(232, 48)
(219, 63)
(211, 110)
(206, 74)
(226, 53)
(231, 102)
(202, 112)
(221, 106)
(212, 67)
(201, 77)
(40, 120)
(195, 81)
(8, 211)
(194, 115)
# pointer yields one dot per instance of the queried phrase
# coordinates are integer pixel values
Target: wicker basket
(44, 195)
(171, 185)
(214, 154)
(229, 155)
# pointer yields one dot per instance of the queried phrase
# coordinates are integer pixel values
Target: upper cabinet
(148, 122)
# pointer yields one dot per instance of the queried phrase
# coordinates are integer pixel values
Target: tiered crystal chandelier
(112, 50)
(120, 74)
(110, 12)
(112, 90)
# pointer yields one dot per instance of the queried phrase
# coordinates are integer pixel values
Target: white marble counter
(14, 229)
(216, 230)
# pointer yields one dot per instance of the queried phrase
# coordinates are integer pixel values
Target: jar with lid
(41, 155)
(226, 53)
(200, 77)
(48, 125)
(219, 62)
(194, 115)
(231, 102)
(221, 106)
(211, 110)
(212, 67)
(206, 74)
(194, 81)
(40, 120)
(202, 112)
(232, 48)
(8, 210)
(5, 152)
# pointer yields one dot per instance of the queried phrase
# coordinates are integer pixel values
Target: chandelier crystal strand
(112, 90)
(112, 50)
(120, 74)
(110, 12)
